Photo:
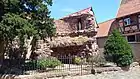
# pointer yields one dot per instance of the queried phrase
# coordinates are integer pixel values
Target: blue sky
(103, 9)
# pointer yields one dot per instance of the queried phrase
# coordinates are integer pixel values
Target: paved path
(133, 73)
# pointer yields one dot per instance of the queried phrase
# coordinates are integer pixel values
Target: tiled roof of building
(84, 11)
(104, 28)
(128, 7)
(61, 26)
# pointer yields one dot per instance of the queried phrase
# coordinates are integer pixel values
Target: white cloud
(69, 10)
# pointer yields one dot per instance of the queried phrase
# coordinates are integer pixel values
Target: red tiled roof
(128, 7)
(104, 28)
(84, 11)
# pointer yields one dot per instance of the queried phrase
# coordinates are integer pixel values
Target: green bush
(48, 63)
(124, 61)
(77, 60)
(118, 50)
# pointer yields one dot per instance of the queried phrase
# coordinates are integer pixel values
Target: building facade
(75, 31)
(128, 22)
(75, 36)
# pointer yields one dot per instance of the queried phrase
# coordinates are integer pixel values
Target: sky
(103, 9)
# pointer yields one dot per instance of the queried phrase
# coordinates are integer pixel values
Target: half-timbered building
(128, 22)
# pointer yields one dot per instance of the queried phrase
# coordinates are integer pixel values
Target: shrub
(77, 60)
(118, 50)
(49, 62)
(30, 65)
(97, 60)
(124, 61)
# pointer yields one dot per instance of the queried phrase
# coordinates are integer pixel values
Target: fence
(69, 65)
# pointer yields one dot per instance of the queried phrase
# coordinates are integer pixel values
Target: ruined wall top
(76, 22)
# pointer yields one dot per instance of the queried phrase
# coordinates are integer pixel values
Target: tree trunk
(2, 50)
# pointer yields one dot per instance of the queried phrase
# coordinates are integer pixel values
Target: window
(127, 21)
(88, 25)
(138, 37)
(89, 22)
(139, 15)
(131, 38)
(121, 23)
(79, 26)
(139, 18)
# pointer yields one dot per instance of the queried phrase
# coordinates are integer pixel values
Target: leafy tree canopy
(25, 17)
(118, 50)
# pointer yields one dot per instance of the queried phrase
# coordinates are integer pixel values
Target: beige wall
(101, 41)
(136, 51)
(135, 47)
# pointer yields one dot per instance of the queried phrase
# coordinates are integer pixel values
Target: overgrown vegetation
(48, 63)
(77, 60)
(118, 50)
(97, 60)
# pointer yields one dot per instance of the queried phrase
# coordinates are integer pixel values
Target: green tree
(25, 18)
(118, 50)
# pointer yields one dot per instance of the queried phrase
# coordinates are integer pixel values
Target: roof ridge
(118, 8)
(77, 11)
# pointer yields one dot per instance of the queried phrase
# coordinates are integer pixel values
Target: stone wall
(42, 49)
(71, 24)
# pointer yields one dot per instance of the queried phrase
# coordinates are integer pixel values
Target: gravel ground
(133, 73)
